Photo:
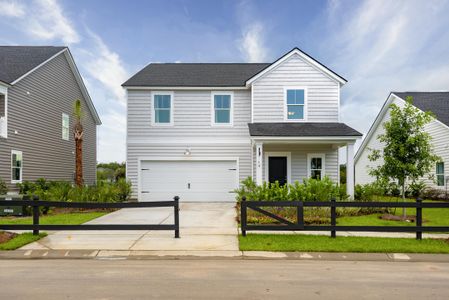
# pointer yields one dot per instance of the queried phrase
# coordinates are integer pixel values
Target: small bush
(309, 190)
(417, 188)
(3, 187)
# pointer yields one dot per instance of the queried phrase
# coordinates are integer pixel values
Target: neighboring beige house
(38, 87)
(197, 129)
(436, 102)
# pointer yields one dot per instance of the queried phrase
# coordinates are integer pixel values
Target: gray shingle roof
(195, 74)
(308, 129)
(436, 102)
(16, 61)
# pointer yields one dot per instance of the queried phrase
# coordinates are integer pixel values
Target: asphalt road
(221, 279)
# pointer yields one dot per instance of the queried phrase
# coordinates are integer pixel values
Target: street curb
(221, 255)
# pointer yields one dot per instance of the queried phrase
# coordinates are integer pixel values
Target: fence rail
(36, 227)
(286, 225)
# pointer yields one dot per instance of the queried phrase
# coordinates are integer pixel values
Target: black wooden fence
(286, 225)
(36, 227)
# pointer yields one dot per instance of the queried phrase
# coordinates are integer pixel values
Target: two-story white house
(197, 129)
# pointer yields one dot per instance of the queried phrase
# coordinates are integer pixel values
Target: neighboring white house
(436, 102)
(197, 129)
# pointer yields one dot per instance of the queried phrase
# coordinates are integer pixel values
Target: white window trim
(153, 115)
(21, 167)
(212, 110)
(68, 128)
(443, 174)
(279, 154)
(4, 91)
(286, 119)
(323, 163)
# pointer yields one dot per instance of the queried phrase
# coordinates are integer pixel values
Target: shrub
(3, 187)
(64, 191)
(417, 188)
(309, 190)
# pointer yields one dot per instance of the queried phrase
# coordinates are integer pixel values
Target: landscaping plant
(3, 187)
(407, 154)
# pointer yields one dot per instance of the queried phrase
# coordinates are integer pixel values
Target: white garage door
(192, 181)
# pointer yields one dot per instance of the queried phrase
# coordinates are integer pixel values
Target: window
(440, 173)
(222, 113)
(65, 126)
(295, 101)
(162, 104)
(16, 166)
(316, 165)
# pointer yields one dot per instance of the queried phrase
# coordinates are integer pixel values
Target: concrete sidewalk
(203, 227)
(222, 255)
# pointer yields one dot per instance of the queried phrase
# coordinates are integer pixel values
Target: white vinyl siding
(191, 130)
(322, 92)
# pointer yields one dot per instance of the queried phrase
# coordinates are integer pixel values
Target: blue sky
(379, 46)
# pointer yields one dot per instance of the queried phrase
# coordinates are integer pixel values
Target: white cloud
(40, 20)
(11, 9)
(106, 66)
(252, 44)
(48, 22)
(382, 46)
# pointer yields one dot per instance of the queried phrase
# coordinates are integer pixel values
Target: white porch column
(259, 163)
(350, 170)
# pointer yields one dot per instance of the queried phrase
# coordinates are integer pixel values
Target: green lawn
(313, 243)
(73, 218)
(21, 240)
(431, 217)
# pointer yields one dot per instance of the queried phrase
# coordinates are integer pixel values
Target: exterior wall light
(187, 152)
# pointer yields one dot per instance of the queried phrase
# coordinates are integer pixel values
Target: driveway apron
(203, 227)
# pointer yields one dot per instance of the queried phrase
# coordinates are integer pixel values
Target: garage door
(192, 181)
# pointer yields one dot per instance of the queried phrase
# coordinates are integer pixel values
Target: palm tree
(78, 135)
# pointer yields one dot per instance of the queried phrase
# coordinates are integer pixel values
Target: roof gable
(425, 101)
(17, 61)
(436, 102)
(307, 58)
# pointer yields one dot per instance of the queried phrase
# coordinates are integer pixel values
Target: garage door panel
(190, 180)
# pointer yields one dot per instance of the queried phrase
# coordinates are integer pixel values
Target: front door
(277, 169)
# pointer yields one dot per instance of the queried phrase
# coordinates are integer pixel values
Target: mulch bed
(391, 217)
(6, 236)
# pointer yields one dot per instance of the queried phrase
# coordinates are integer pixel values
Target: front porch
(302, 150)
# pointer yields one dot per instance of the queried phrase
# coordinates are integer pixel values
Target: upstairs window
(440, 173)
(65, 126)
(222, 104)
(16, 166)
(163, 109)
(295, 104)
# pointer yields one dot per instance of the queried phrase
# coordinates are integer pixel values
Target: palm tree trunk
(79, 162)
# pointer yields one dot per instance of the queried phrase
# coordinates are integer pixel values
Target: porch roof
(303, 129)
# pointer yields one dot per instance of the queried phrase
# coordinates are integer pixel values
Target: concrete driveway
(203, 227)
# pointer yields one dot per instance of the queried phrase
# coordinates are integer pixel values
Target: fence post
(300, 214)
(333, 218)
(243, 215)
(419, 218)
(176, 208)
(36, 214)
